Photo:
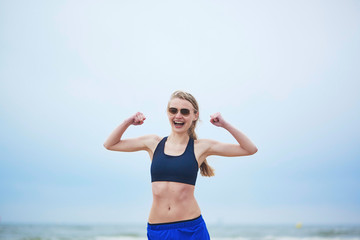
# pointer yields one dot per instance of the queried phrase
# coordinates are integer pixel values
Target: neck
(178, 138)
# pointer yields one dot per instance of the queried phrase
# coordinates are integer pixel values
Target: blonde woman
(176, 160)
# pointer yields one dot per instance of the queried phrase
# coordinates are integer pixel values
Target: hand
(137, 119)
(217, 120)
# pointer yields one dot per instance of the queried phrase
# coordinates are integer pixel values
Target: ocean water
(138, 232)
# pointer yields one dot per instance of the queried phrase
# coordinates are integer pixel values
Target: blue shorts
(194, 229)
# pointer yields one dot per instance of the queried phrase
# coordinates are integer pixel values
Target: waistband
(174, 225)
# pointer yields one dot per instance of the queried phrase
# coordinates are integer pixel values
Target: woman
(176, 159)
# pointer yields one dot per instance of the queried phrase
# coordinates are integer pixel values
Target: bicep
(226, 149)
(132, 144)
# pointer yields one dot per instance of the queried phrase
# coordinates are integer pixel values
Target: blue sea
(138, 232)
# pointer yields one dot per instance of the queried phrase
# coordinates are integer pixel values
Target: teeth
(178, 122)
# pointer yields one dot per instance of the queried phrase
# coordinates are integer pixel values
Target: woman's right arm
(115, 143)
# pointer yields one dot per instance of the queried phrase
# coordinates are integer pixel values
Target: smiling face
(180, 121)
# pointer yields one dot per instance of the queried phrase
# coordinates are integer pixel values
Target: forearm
(241, 138)
(116, 135)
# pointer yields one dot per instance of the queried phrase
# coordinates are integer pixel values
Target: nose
(178, 114)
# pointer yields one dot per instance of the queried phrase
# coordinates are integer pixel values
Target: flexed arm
(115, 143)
(243, 148)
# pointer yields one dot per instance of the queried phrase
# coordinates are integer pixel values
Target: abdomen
(173, 202)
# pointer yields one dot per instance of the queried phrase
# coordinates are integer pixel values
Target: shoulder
(151, 138)
(204, 144)
(202, 148)
(151, 141)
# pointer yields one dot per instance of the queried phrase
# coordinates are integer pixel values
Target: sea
(12, 231)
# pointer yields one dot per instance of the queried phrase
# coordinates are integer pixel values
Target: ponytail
(205, 169)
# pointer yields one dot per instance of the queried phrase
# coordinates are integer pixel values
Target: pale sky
(286, 73)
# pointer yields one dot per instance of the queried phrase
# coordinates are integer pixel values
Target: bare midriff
(173, 201)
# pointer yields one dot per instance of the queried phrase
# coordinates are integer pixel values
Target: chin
(179, 130)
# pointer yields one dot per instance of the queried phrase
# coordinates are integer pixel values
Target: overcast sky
(286, 73)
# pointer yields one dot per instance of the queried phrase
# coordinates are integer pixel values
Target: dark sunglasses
(183, 111)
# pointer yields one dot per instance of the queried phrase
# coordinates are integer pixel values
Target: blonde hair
(205, 168)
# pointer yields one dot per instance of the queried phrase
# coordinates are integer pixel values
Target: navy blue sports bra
(182, 168)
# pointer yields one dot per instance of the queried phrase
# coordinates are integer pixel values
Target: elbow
(253, 151)
(107, 146)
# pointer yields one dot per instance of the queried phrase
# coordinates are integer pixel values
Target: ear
(196, 116)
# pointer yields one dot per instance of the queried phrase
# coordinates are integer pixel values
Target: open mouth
(178, 124)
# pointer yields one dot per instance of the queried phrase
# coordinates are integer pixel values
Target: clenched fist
(217, 120)
(137, 119)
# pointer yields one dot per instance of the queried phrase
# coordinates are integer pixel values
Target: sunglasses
(183, 111)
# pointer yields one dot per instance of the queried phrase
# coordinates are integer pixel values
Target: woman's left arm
(243, 148)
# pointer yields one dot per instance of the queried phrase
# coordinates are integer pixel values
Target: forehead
(180, 103)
